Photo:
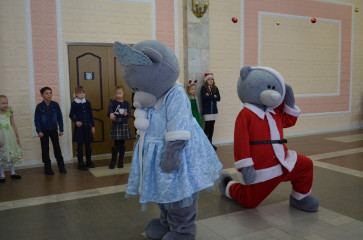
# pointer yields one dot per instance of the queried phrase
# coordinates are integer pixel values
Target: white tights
(2, 173)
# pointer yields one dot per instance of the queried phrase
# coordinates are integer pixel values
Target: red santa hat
(207, 76)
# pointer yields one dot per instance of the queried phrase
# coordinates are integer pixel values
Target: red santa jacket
(253, 124)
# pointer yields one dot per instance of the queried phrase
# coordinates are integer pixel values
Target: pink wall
(44, 36)
(305, 8)
(45, 52)
(165, 31)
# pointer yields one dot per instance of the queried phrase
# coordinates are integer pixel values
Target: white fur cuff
(227, 188)
(177, 135)
(299, 196)
(243, 163)
(292, 111)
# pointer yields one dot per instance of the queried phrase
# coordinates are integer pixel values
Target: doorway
(97, 70)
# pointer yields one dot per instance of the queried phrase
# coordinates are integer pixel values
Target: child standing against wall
(10, 150)
(47, 119)
(210, 97)
(191, 89)
(118, 112)
(84, 127)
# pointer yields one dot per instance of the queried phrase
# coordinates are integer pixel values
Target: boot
(89, 162)
(81, 165)
(114, 156)
(48, 169)
(61, 167)
(121, 157)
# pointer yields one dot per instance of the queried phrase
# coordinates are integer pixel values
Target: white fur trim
(246, 162)
(208, 76)
(299, 196)
(177, 135)
(227, 188)
(210, 117)
(292, 111)
(263, 175)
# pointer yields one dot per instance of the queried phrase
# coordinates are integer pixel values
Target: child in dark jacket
(84, 127)
(210, 97)
(47, 119)
(118, 112)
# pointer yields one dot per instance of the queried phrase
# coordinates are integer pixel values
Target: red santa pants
(301, 178)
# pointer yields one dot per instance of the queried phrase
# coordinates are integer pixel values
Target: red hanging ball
(234, 19)
(313, 20)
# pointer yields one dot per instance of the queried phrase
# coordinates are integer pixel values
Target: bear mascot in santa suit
(173, 159)
(261, 157)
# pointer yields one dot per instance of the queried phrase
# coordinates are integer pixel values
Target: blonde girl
(119, 111)
(10, 150)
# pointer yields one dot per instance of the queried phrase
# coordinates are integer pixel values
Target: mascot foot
(178, 236)
(154, 230)
(224, 179)
(307, 204)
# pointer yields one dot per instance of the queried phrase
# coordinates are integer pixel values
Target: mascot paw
(307, 204)
(224, 179)
(178, 236)
(249, 174)
(154, 230)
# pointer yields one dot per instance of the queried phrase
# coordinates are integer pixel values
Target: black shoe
(62, 170)
(90, 164)
(112, 164)
(15, 176)
(2, 180)
(120, 164)
(48, 172)
(82, 167)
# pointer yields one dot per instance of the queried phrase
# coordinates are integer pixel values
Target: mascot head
(149, 68)
(261, 86)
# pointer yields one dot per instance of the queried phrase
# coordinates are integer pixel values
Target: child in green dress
(10, 150)
(191, 90)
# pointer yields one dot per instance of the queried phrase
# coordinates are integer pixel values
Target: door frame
(66, 103)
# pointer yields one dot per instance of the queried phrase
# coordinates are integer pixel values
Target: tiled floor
(92, 204)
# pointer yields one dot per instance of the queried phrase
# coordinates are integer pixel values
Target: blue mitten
(170, 159)
(249, 174)
(289, 96)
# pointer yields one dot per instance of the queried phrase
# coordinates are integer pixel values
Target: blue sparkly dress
(199, 163)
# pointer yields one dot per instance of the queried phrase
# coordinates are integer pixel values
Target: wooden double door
(97, 70)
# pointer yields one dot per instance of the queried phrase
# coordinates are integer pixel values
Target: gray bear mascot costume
(261, 156)
(173, 159)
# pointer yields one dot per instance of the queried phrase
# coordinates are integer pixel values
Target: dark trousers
(119, 144)
(88, 151)
(209, 129)
(44, 141)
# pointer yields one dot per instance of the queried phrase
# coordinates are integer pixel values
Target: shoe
(48, 172)
(90, 164)
(15, 176)
(120, 164)
(63, 171)
(2, 180)
(112, 165)
(82, 167)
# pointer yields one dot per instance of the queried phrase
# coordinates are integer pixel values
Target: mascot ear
(154, 55)
(245, 71)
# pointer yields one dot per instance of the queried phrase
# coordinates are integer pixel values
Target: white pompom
(141, 124)
(139, 113)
